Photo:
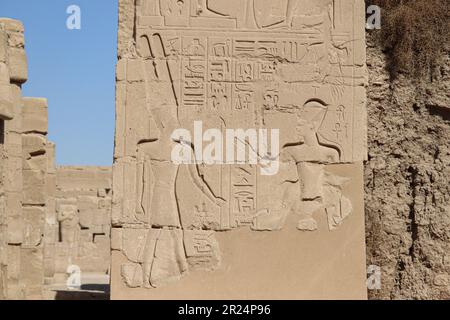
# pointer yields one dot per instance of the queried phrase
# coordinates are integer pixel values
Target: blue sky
(74, 70)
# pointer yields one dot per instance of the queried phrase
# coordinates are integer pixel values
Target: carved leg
(164, 257)
(149, 255)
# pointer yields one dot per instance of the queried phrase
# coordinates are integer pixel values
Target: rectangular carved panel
(280, 82)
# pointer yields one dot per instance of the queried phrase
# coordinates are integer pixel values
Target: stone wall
(50, 217)
(82, 219)
(38, 186)
(7, 113)
(25, 165)
(13, 74)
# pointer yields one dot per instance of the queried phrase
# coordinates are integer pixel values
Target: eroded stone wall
(6, 114)
(25, 164)
(13, 73)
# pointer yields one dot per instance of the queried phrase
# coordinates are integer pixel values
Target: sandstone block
(15, 230)
(3, 45)
(12, 25)
(34, 187)
(35, 115)
(18, 65)
(31, 273)
(34, 223)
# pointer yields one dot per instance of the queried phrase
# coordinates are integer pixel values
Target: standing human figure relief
(69, 227)
(164, 257)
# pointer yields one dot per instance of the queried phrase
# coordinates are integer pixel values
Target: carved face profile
(311, 116)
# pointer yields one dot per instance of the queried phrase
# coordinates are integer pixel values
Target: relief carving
(69, 224)
(285, 64)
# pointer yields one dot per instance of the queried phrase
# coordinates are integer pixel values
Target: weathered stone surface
(34, 221)
(90, 178)
(15, 231)
(116, 238)
(3, 44)
(11, 219)
(164, 257)
(15, 53)
(35, 115)
(82, 198)
(34, 187)
(293, 66)
(6, 104)
(25, 167)
(32, 272)
(249, 260)
(202, 249)
(18, 68)
(12, 25)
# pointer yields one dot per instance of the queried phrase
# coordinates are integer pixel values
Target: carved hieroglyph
(293, 65)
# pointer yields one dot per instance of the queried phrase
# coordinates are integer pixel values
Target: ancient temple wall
(38, 164)
(6, 115)
(82, 215)
(27, 173)
(297, 66)
(51, 226)
(13, 74)
(50, 218)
